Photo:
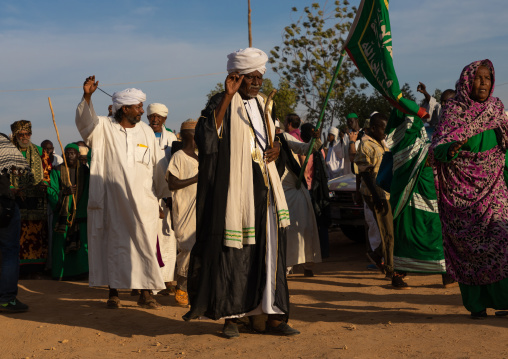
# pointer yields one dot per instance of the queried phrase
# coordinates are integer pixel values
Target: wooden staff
(268, 109)
(65, 161)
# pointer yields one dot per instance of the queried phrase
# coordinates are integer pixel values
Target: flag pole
(321, 115)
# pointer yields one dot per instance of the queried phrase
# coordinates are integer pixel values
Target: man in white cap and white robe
(237, 265)
(157, 113)
(337, 159)
(126, 179)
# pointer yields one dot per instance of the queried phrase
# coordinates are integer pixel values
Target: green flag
(369, 45)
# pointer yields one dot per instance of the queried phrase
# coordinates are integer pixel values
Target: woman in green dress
(469, 155)
(70, 246)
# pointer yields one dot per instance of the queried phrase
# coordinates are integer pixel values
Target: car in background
(344, 210)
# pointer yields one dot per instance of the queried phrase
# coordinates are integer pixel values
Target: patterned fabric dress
(418, 243)
(472, 193)
(33, 208)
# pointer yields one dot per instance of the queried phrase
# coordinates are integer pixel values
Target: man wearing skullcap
(237, 266)
(182, 177)
(69, 250)
(157, 114)
(126, 180)
(30, 192)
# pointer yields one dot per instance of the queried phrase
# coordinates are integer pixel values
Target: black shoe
(501, 313)
(448, 281)
(479, 315)
(230, 330)
(14, 306)
(283, 329)
(398, 283)
(377, 260)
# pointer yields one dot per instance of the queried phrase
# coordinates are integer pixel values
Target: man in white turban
(237, 265)
(337, 161)
(157, 113)
(126, 179)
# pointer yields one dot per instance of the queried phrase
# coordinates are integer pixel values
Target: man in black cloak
(238, 266)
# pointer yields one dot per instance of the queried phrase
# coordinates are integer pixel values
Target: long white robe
(302, 234)
(126, 178)
(166, 236)
(337, 159)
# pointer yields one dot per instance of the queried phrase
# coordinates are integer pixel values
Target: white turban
(127, 97)
(334, 131)
(247, 61)
(157, 108)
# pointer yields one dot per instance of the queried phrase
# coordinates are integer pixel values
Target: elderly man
(237, 266)
(157, 114)
(30, 193)
(125, 181)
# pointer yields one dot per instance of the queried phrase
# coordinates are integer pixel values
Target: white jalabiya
(337, 159)
(182, 166)
(166, 236)
(302, 234)
(126, 178)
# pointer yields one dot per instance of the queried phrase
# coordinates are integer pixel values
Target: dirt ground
(345, 311)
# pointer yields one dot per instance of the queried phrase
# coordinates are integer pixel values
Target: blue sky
(57, 44)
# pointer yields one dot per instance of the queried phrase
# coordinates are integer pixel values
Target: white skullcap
(247, 61)
(127, 97)
(334, 131)
(157, 108)
(277, 123)
(372, 114)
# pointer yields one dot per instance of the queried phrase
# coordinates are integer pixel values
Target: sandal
(113, 303)
(501, 313)
(150, 303)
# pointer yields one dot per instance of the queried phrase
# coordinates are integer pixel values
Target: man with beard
(69, 250)
(30, 192)
(238, 263)
(157, 114)
(126, 180)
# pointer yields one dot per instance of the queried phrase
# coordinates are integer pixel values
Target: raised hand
(89, 87)
(233, 82)
(421, 87)
(353, 136)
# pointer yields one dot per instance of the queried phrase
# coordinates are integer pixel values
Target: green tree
(219, 87)
(363, 105)
(284, 99)
(311, 49)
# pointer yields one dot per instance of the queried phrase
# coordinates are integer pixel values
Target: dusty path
(345, 311)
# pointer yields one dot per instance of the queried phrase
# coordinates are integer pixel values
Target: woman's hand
(454, 149)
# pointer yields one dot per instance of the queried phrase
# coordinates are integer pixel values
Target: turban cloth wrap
(21, 125)
(247, 61)
(157, 108)
(127, 97)
(334, 131)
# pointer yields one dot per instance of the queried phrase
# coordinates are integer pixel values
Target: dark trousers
(9, 262)
(384, 221)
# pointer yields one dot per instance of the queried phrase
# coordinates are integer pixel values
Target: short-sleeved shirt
(182, 166)
(368, 159)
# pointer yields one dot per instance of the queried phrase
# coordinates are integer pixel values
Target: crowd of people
(219, 218)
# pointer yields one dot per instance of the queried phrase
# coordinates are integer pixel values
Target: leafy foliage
(311, 49)
(284, 99)
(364, 105)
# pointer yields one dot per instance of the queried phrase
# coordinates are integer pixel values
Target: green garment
(479, 297)
(418, 242)
(73, 263)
